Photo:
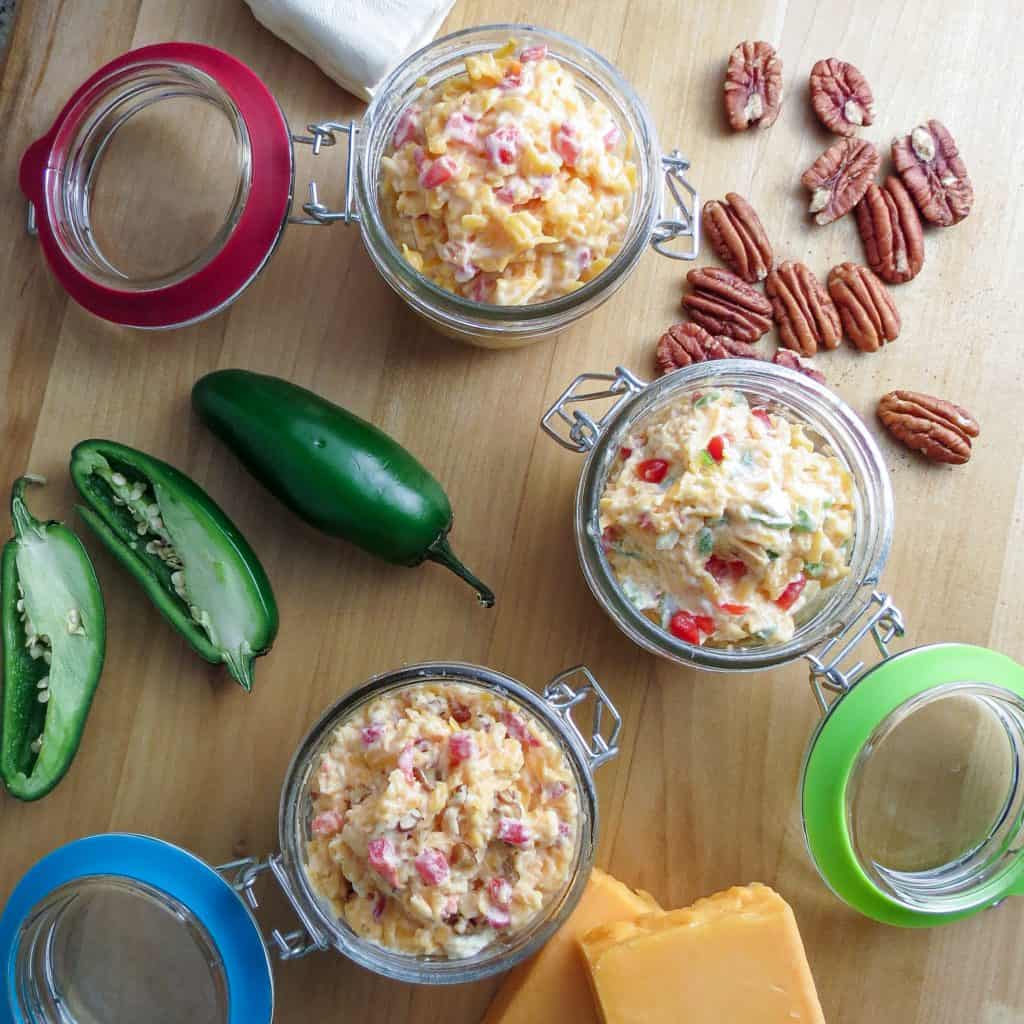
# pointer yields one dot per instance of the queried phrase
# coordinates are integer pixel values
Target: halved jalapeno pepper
(191, 560)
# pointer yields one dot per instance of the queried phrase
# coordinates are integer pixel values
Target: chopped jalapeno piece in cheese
(755, 535)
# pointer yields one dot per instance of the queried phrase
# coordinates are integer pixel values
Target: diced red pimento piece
(609, 536)
(460, 127)
(432, 866)
(533, 53)
(502, 146)
(370, 734)
(723, 570)
(584, 258)
(716, 447)
(383, 860)
(481, 289)
(652, 471)
(556, 790)
(513, 832)
(406, 763)
(789, 596)
(625, 452)
(327, 823)
(517, 729)
(762, 415)
(734, 609)
(688, 627)
(612, 137)
(379, 905)
(437, 173)
(566, 143)
(500, 891)
(564, 829)
(461, 713)
(645, 522)
(498, 918)
(461, 747)
(408, 127)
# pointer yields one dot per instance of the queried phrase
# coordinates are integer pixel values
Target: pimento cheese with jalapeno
(505, 184)
(721, 522)
(444, 817)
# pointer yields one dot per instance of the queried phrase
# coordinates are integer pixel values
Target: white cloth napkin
(355, 42)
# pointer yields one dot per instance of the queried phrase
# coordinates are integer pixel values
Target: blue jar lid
(230, 927)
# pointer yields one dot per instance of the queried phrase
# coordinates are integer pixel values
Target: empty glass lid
(913, 788)
(119, 929)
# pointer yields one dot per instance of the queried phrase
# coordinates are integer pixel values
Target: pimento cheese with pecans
(444, 817)
(721, 522)
(505, 184)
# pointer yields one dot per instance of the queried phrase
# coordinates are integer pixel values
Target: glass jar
(913, 783)
(237, 212)
(157, 912)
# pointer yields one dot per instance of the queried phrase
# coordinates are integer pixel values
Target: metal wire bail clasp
(584, 430)
(686, 220)
(564, 698)
(877, 616)
(242, 876)
(321, 135)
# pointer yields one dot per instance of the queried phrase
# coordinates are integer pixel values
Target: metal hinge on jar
(879, 617)
(584, 430)
(564, 697)
(321, 135)
(685, 223)
(242, 876)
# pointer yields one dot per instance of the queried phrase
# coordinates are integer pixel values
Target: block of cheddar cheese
(552, 987)
(733, 957)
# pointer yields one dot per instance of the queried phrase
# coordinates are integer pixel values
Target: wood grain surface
(705, 792)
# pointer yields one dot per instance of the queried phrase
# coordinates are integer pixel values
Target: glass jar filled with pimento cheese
(437, 825)
(506, 180)
(736, 516)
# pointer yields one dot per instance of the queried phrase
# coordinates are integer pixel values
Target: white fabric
(355, 42)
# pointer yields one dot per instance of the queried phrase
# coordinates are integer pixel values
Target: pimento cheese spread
(444, 817)
(721, 522)
(504, 184)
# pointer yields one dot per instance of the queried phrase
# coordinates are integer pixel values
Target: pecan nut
(686, 343)
(803, 310)
(839, 178)
(938, 429)
(891, 230)
(841, 96)
(723, 303)
(753, 86)
(792, 362)
(865, 306)
(929, 163)
(738, 238)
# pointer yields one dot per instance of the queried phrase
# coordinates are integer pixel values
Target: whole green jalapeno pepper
(333, 469)
(191, 560)
(54, 640)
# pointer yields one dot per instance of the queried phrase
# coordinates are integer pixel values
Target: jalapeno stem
(21, 517)
(440, 551)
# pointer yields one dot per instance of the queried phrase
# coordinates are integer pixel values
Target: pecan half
(891, 230)
(865, 306)
(929, 163)
(753, 86)
(839, 178)
(686, 343)
(792, 362)
(841, 96)
(938, 429)
(723, 303)
(738, 237)
(803, 310)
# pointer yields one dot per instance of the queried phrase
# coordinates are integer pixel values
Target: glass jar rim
(404, 966)
(830, 418)
(405, 277)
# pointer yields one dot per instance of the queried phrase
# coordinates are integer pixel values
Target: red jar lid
(250, 241)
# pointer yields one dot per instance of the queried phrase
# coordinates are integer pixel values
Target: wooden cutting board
(704, 793)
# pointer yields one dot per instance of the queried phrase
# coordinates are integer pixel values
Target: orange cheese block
(552, 987)
(731, 958)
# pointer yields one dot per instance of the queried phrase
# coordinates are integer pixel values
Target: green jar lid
(854, 730)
